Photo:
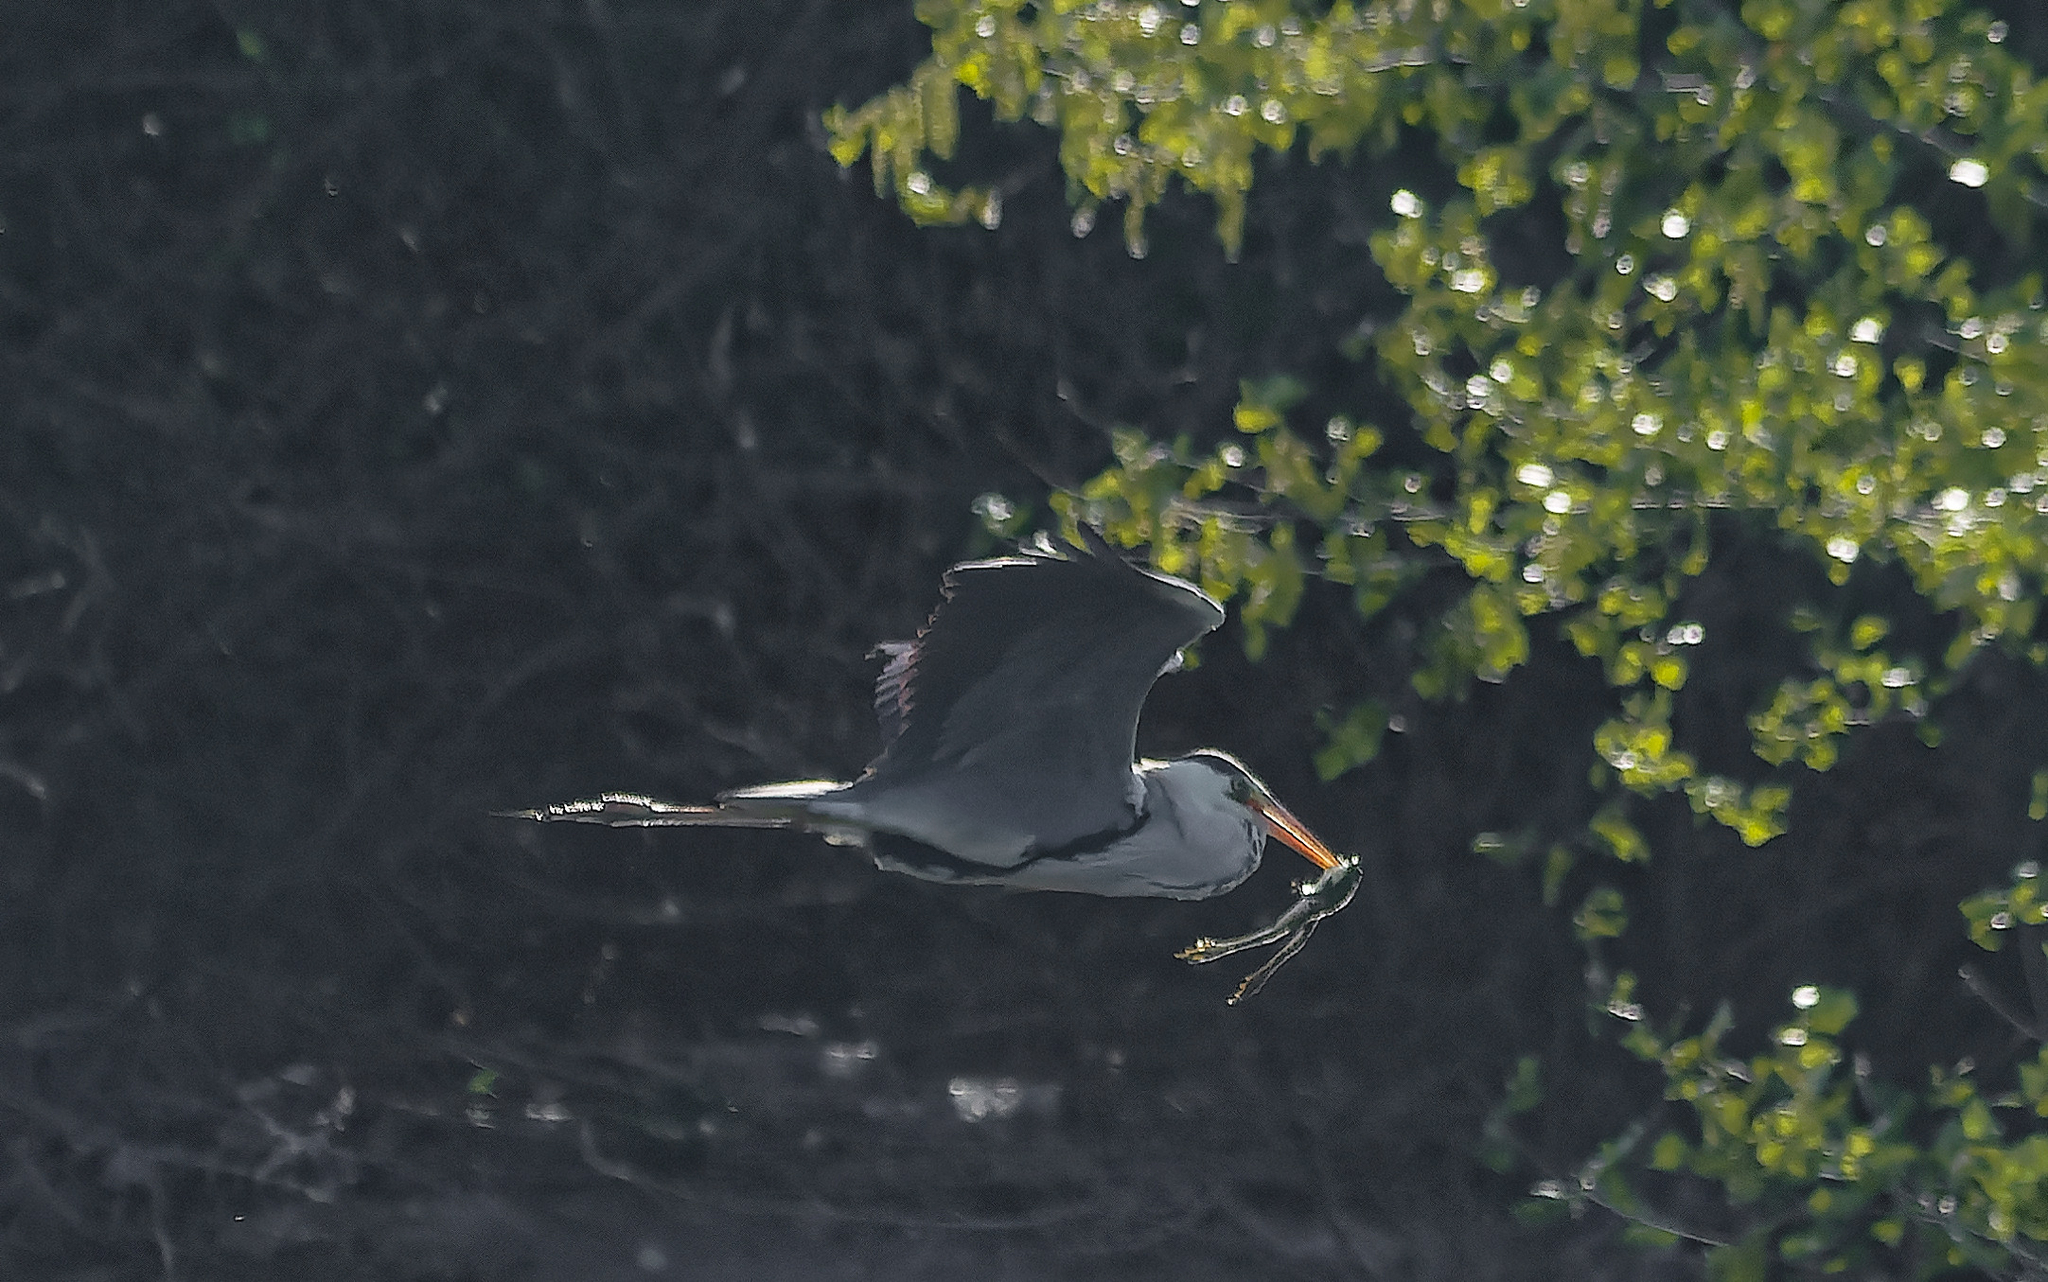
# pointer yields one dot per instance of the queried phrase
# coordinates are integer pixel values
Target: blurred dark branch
(1981, 988)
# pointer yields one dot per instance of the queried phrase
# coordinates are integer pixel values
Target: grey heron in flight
(1008, 729)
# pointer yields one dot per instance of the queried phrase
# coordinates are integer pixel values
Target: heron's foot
(1322, 897)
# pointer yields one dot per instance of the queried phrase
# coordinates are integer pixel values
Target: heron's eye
(1240, 791)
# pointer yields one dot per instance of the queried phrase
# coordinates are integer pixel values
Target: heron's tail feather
(811, 804)
(799, 790)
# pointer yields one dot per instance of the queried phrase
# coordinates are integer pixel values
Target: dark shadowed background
(411, 410)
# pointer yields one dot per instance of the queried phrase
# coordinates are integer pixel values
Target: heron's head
(1243, 788)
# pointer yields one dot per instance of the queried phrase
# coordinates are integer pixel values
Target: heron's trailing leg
(1324, 896)
(631, 810)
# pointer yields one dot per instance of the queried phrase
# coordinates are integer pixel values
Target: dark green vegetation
(413, 410)
(1672, 279)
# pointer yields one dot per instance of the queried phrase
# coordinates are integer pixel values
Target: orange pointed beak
(1282, 824)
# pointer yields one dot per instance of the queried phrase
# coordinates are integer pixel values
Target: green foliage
(1352, 741)
(1756, 319)
(1522, 1094)
(1858, 685)
(1604, 915)
(1994, 913)
(1757, 316)
(1840, 1171)
(1652, 384)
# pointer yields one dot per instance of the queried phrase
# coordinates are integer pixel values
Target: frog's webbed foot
(1257, 979)
(1286, 924)
(1320, 898)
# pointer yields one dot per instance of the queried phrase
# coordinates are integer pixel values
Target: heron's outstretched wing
(1011, 721)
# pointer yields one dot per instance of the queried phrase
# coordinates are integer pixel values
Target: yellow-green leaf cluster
(1845, 1170)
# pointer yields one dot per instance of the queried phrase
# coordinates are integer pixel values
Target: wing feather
(892, 688)
(1011, 722)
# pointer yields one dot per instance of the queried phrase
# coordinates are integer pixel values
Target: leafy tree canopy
(1783, 274)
